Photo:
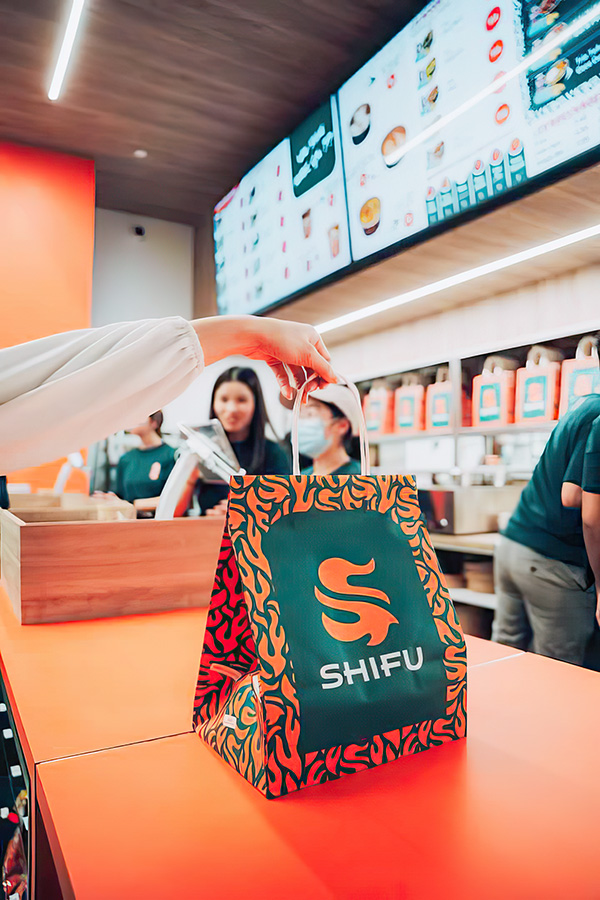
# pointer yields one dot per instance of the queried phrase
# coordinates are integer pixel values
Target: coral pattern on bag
(247, 707)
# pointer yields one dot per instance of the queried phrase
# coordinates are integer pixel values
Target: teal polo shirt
(572, 454)
(352, 467)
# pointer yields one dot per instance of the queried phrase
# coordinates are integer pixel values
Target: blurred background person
(237, 402)
(143, 471)
(328, 430)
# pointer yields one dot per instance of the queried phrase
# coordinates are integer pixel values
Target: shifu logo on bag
(372, 621)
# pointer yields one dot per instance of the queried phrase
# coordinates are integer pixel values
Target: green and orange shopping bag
(331, 644)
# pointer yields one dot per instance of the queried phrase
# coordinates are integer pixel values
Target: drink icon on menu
(431, 204)
(306, 223)
(480, 185)
(334, 241)
(517, 169)
(498, 172)
(447, 199)
(463, 195)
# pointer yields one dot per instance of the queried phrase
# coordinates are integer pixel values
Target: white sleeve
(66, 391)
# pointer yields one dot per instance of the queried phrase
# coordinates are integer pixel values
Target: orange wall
(46, 253)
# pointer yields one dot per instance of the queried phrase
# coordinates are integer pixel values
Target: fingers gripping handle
(365, 463)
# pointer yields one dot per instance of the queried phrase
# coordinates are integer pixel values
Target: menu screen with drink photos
(285, 225)
(418, 136)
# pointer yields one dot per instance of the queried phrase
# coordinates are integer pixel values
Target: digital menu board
(418, 151)
(467, 103)
(285, 225)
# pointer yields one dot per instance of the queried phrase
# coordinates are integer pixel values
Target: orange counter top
(131, 800)
(75, 687)
(509, 813)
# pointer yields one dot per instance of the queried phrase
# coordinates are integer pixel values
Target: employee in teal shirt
(238, 403)
(548, 557)
(327, 432)
(143, 471)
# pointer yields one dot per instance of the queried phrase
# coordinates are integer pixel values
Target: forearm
(222, 336)
(67, 391)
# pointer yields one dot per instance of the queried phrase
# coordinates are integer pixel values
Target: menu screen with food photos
(285, 225)
(469, 102)
(417, 151)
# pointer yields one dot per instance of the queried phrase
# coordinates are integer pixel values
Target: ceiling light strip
(437, 287)
(65, 50)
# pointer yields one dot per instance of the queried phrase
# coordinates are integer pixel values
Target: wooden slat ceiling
(205, 86)
(563, 208)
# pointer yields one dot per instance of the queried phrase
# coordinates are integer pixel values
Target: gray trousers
(542, 602)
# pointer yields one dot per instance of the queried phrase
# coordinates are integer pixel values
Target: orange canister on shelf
(538, 386)
(439, 412)
(494, 392)
(580, 376)
(378, 408)
(409, 409)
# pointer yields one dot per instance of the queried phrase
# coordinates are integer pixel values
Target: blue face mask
(312, 440)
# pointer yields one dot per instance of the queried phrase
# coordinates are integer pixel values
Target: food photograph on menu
(464, 105)
(421, 146)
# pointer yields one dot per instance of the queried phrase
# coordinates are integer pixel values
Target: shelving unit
(465, 431)
(481, 545)
(473, 598)
(462, 370)
(514, 428)
(473, 544)
(448, 454)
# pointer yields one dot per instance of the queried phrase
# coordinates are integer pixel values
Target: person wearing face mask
(238, 403)
(327, 431)
(142, 472)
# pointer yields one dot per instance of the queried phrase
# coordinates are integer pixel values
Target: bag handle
(587, 348)
(365, 462)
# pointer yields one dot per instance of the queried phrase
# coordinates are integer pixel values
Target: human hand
(598, 605)
(283, 345)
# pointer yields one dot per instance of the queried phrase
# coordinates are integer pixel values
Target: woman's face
(234, 406)
(143, 429)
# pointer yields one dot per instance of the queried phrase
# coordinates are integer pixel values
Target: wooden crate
(82, 569)
(42, 507)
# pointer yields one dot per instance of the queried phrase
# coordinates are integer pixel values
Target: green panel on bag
(363, 657)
